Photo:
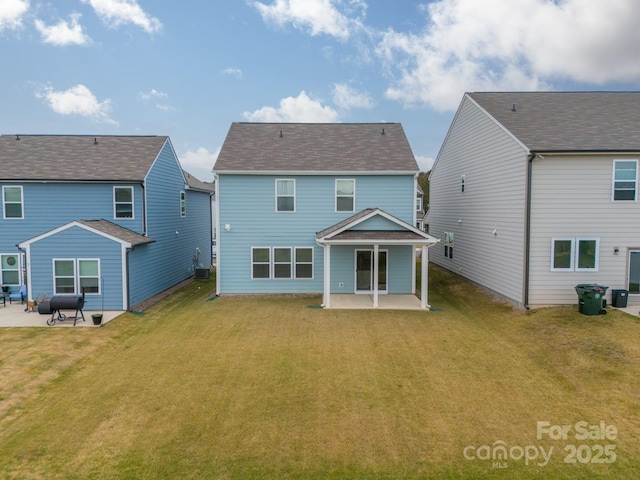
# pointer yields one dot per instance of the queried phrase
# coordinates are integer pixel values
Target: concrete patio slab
(365, 301)
(15, 315)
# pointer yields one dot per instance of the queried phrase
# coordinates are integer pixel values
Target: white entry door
(364, 271)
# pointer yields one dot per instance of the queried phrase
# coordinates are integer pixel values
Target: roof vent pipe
(17, 137)
(513, 108)
(383, 132)
(281, 134)
(95, 141)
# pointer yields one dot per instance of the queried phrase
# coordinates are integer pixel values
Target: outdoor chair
(21, 295)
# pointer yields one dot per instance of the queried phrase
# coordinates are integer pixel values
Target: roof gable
(78, 157)
(567, 121)
(316, 147)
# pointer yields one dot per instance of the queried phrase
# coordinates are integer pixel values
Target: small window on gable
(448, 244)
(12, 202)
(462, 179)
(625, 180)
(285, 195)
(123, 202)
(183, 204)
(345, 195)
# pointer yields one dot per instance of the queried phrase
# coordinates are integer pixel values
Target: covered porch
(377, 231)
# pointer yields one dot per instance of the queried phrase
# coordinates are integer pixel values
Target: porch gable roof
(343, 233)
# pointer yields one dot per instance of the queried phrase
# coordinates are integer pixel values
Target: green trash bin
(591, 298)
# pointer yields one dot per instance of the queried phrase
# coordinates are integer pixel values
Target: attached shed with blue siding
(289, 194)
(116, 215)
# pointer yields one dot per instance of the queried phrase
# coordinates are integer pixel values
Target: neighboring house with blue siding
(115, 215)
(318, 208)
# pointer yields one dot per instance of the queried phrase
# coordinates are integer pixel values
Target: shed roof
(78, 157)
(567, 121)
(316, 147)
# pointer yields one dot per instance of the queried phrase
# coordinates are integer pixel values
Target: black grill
(66, 302)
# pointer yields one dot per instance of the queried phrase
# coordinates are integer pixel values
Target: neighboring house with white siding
(113, 215)
(534, 193)
(318, 208)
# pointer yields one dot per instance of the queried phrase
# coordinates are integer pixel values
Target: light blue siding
(378, 223)
(247, 206)
(79, 243)
(160, 265)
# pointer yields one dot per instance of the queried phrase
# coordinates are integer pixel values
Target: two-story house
(115, 216)
(534, 193)
(318, 208)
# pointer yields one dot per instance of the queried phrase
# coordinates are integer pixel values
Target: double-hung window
(574, 254)
(285, 195)
(9, 269)
(304, 262)
(12, 202)
(625, 180)
(282, 262)
(260, 262)
(123, 202)
(345, 195)
(183, 204)
(448, 244)
(71, 276)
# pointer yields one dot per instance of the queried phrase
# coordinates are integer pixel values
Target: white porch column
(425, 278)
(375, 275)
(327, 276)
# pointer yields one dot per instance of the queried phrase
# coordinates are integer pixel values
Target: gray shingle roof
(117, 231)
(568, 121)
(78, 157)
(316, 147)
(197, 184)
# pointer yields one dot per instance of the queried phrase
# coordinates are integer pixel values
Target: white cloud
(236, 72)
(11, 12)
(347, 97)
(161, 99)
(517, 45)
(119, 12)
(298, 109)
(64, 33)
(425, 163)
(337, 18)
(199, 162)
(78, 100)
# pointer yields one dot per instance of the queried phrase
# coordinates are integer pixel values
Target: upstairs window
(345, 195)
(183, 204)
(12, 202)
(625, 180)
(123, 202)
(419, 203)
(285, 195)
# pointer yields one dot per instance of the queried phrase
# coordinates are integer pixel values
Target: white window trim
(286, 196)
(353, 206)
(274, 263)
(17, 269)
(79, 289)
(4, 202)
(295, 263)
(418, 203)
(75, 275)
(613, 180)
(133, 204)
(261, 263)
(575, 241)
(183, 203)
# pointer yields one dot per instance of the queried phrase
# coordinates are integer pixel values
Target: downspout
(144, 208)
(128, 288)
(527, 232)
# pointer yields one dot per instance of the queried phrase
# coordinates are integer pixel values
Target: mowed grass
(268, 388)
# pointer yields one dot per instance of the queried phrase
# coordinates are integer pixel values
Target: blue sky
(188, 69)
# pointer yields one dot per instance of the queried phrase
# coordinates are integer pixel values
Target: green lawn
(267, 388)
